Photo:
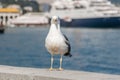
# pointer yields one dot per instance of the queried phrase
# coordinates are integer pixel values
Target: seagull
(56, 42)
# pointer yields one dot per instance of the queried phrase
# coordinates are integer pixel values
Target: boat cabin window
(80, 7)
(61, 8)
(75, 7)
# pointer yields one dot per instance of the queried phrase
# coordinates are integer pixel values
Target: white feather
(55, 41)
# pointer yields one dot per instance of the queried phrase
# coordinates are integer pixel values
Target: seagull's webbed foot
(50, 69)
(61, 69)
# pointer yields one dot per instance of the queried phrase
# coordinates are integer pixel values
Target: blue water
(94, 50)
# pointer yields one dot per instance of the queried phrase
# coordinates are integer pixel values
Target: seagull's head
(55, 20)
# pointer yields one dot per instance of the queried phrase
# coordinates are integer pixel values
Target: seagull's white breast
(55, 42)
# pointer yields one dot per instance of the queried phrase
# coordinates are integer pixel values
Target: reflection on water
(95, 50)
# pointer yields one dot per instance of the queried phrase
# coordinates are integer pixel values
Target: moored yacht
(91, 13)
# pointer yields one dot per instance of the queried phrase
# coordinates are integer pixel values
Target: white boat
(101, 13)
(30, 19)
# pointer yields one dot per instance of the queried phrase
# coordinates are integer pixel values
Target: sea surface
(93, 50)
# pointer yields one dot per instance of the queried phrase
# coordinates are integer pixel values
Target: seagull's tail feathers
(68, 54)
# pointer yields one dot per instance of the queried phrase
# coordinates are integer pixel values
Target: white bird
(56, 42)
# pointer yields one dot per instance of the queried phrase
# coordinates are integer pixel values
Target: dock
(25, 73)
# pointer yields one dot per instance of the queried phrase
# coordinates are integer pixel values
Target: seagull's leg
(60, 68)
(52, 59)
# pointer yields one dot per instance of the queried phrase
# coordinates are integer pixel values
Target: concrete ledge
(22, 73)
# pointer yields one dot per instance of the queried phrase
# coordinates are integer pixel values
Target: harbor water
(94, 50)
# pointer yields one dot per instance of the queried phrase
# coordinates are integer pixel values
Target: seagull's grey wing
(69, 47)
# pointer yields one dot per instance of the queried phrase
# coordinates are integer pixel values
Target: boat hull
(108, 22)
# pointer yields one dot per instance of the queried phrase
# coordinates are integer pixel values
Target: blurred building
(15, 6)
(8, 14)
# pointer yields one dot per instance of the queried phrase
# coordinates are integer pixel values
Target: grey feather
(69, 47)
